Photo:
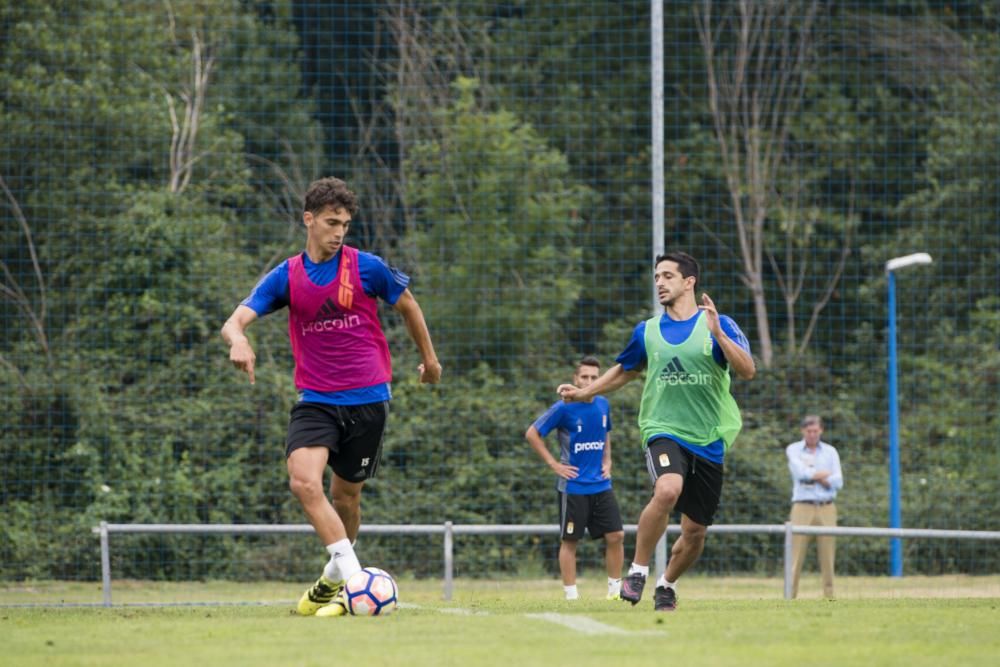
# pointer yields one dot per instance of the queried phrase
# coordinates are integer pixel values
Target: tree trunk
(766, 351)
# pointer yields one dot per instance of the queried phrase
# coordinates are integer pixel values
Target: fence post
(788, 560)
(449, 559)
(661, 555)
(105, 564)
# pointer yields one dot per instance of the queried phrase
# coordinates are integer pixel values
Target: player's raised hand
(711, 314)
(430, 372)
(564, 470)
(568, 392)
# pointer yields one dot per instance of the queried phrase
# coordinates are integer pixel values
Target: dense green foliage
(504, 164)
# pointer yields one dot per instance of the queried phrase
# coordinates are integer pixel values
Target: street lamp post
(895, 511)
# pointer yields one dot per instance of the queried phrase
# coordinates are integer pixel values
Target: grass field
(721, 621)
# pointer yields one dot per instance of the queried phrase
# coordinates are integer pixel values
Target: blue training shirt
(675, 332)
(378, 279)
(583, 430)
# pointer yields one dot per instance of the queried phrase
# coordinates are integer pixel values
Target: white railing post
(789, 536)
(661, 555)
(105, 564)
(449, 559)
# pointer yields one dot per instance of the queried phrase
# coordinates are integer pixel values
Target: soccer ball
(371, 592)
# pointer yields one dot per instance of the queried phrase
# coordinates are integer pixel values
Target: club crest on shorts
(569, 526)
(664, 461)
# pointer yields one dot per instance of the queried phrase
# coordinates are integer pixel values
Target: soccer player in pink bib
(342, 373)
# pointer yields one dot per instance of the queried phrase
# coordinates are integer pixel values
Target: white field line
(577, 623)
(455, 611)
(581, 624)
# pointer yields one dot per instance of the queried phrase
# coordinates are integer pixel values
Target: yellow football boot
(337, 606)
(318, 596)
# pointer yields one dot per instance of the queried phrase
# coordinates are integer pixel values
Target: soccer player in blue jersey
(586, 500)
(688, 418)
(342, 373)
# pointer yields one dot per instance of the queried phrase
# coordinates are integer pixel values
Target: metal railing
(450, 530)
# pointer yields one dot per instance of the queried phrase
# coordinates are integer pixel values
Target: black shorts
(352, 433)
(702, 489)
(597, 512)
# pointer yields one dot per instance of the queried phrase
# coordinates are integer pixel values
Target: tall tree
(497, 209)
(757, 59)
(122, 241)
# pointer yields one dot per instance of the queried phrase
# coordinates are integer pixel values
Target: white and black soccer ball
(371, 592)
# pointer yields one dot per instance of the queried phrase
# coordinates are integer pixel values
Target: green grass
(721, 621)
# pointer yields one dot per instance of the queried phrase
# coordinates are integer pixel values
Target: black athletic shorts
(352, 433)
(702, 489)
(597, 512)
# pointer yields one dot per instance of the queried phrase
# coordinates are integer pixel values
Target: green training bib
(686, 392)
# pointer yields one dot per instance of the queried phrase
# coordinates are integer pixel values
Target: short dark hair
(330, 191)
(687, 264)
(589, 360)
(811, 420)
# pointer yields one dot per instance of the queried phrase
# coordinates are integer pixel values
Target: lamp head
(915, 259)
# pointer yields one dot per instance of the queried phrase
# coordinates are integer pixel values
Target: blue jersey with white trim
(582, 430)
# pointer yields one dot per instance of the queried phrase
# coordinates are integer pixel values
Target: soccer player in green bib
(687, 417)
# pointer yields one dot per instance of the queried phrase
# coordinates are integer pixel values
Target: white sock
(662, 581)
(330, 570)
(641, 569)
(571, 592)
(343, 563)
(614, 586)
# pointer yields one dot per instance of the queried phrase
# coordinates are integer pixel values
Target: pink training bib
(337, 340)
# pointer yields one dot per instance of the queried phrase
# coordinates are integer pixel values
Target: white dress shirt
(804, 462)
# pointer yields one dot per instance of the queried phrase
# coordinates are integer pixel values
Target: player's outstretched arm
(234, 333)
(613, 379)
(409, 309)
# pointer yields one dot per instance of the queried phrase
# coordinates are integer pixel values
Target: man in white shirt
(816, 478)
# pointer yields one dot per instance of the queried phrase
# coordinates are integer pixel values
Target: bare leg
(687, 548)
(614, 553)
(305, 479)
(567, 562)
(656, 515)
(347, 502)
